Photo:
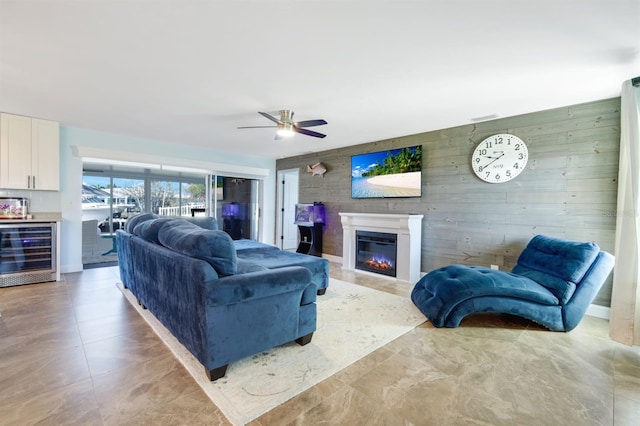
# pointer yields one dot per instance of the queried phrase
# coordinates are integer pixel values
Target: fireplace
(376, 252)
(407, 228)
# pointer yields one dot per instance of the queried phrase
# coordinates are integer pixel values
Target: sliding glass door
(111, 196)
(110, 201)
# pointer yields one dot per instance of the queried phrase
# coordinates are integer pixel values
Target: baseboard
(598, 311)
(68, 269)
(332, 258)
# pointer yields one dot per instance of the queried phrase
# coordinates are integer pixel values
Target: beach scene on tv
(393, 173)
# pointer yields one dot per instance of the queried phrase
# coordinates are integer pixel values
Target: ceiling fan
(287, 127)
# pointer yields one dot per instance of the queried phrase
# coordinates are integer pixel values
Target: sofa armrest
(256, 285)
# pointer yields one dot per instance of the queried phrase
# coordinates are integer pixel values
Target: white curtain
(624, 325)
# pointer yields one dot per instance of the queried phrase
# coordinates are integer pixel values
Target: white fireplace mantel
(407, 227)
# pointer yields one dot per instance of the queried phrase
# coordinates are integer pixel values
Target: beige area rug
(353, 321)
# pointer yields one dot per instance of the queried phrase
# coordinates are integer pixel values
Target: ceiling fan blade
(310, 123)
(308, 132)
(257, 127)
(270, 117)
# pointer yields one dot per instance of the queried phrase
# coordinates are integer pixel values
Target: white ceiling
(192, 71)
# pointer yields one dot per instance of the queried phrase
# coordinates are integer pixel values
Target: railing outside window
(180, 210)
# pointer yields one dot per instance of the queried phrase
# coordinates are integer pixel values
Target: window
(111, 196)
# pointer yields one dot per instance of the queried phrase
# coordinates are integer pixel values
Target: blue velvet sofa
(220, 307)
(256, 252)
(553, 284)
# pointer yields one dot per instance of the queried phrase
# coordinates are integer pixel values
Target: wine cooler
(27, 253)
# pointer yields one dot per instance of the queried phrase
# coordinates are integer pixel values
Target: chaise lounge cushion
(214, 247)
(460, 283)
(558, 267)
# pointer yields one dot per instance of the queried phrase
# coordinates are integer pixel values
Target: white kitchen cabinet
(29, 153)
(45, 154)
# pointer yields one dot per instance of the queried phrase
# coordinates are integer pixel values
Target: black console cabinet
(310, 239)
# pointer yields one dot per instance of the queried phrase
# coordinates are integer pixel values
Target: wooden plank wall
(568, 189)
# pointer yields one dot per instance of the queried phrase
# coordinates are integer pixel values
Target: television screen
(387, 174)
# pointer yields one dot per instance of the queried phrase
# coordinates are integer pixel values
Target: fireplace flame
(379, 263)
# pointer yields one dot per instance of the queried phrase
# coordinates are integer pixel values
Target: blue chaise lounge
(553, 284)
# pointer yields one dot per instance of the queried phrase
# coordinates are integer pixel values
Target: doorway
(236, 202)
(287, 195)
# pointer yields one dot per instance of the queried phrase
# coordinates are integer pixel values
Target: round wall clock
(499, 158)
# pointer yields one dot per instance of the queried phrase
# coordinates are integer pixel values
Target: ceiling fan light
(285, 130)
(284, 133)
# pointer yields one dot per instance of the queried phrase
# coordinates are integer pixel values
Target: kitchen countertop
(37, 217)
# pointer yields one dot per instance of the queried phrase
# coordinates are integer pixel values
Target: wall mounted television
(396, 173)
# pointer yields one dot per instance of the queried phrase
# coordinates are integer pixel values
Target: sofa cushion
(203, 222)
(272, 258)
(131, 223)
(149, 229)
(214, 247)
(253, 245)
(244, 267)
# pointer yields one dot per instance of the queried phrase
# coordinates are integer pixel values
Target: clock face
(499, 158)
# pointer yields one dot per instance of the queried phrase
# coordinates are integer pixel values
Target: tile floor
(75, 352)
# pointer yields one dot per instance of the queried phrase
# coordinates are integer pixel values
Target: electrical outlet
(495, 267)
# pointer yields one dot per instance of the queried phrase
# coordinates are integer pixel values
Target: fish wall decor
(318, 169)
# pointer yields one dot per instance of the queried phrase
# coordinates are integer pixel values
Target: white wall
(69, 199)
